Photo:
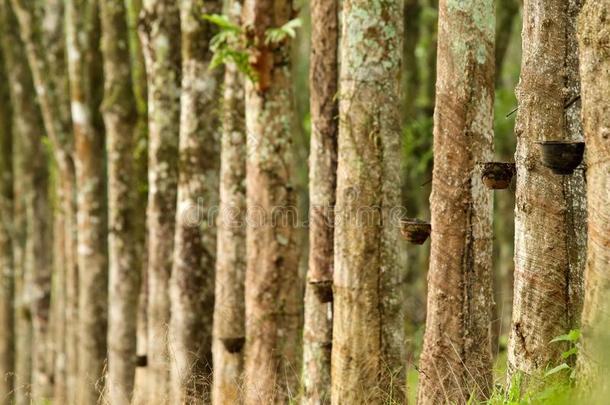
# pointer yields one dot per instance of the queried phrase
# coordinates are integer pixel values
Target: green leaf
(291, 26)
(514, 392)
(572, 336)
(277, 35)
(555, 370)
(569, 353)
(222, 22)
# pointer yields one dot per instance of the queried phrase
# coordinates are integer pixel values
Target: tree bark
(456, 359)
(368, 347)
(33, 188)
(593, 36)
(120, 117)
(272, 289)
(45, 43)
(229, 309)
(23, 284)
(192, 280)
(7, 275)
(160, 36)
(550, 211)
(323, 76)
(82, 35)
(58, 305)
(140, 167)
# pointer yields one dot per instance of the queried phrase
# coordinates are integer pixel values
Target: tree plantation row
(229, 202)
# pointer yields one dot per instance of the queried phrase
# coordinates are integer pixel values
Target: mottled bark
(140, 156)
(192, 280)
(23, 284)
(82, 38)
(317, 345)
(229, 310)
(550, 211)
(273, 292)
(323, 76)
(7, 274)
(368, 347)
(33, 187)
(44, 46)
(594, 40)
(456, 359)
(58, 306)
(160, 35)
(504, 235)
(120, 117)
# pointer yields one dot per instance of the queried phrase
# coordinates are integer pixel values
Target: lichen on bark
(159, 31)
(120, 118)
(456, 360)
(229, 309)
(368, 346)
(192, 279)
(272, 287)
(323, 77)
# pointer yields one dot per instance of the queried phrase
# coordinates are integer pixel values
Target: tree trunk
(22, 276)
(58, 305)
(45, 43)
(192, 280)
(317, 334)
(140, 156)
(594, 357)
(7, 293)
(550, 209)
(160, 35)
(456, 359)
(81, 42)
(229, 310)
(28, 126)
(272, 290)
(368, 347)
(120, 117)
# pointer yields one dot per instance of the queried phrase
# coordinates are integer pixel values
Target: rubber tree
(82, 48)
(7, 275)
(550, 210)
(323, 79)
(593, 37)
(192, 280)
(159, 30)
(140, 154)
(120, 118)
(229, 331)
(45, 51)
(34, 195)
(368, 346)
(456, 359)
(272, 288)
